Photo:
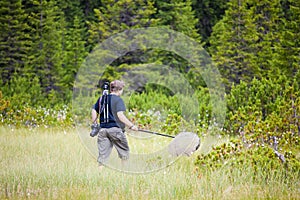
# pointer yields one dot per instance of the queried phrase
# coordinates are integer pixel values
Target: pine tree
(252, 43)
(232, 44)
(116, 16)
(208, 13)
(88, 7)
(178, 15)
(47, 54)
(71, 9)
(75, 52)
(267, 17)
(14, 39)
(287, 50)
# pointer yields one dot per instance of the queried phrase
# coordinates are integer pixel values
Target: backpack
(107, 119)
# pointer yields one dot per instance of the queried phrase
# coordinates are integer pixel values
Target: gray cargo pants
(109, 137)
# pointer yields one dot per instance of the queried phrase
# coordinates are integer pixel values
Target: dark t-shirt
(117, 105)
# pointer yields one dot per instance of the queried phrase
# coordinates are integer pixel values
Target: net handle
(155, 133)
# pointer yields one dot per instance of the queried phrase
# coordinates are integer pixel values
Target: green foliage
(264, 117)
(43, 44)
(205, 110)
(208, 12)
(114, 17)
(4, 104)
(154, 100)
(179, 16)
(153, 109)
(16, 116)
(34, 117)
(75, 53)
(251, 40)
(14, 38)
(261, 102)
(52, 52)
(261, 159)
(287, 49)
(23, 104)
(231, 44)
(171, 113)
(45, 56)
(22, 90)
(220, 155)
(172, 124)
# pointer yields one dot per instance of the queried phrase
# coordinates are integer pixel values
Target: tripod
(104, 108)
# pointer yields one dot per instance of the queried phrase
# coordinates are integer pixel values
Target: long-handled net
(185, 143)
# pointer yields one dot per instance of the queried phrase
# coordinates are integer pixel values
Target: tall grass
(53, 164)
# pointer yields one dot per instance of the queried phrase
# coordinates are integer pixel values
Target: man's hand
(126, 121)
(133, 127)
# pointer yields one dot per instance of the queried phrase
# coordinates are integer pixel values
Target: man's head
(116, 85)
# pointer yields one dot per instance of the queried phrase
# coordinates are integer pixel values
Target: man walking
(110, 108)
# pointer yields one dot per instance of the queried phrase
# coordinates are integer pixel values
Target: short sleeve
(120, 106)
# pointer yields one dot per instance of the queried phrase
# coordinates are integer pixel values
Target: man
(111, 109)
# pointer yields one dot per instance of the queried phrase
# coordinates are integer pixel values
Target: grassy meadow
(54, 164)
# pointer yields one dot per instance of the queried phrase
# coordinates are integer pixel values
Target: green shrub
(264, 107)
(263, 116)
(260, 158)
(174, 111)
(38, 116)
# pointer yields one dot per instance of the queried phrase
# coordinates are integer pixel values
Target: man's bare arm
(126, 121)
(94, 116)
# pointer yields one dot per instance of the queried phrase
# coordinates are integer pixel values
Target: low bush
(25, 115)
(263, 159)
(264, 119)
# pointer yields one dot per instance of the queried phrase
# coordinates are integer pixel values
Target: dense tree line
(255, 39)
(44, 42)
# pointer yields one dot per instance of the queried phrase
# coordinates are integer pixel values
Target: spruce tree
(69, 37)
(75, 52)
(47, 54)
(88, 7)
(14, 39)
(71, 9)
(178, 15)
(232, 44)
(287, 50)
(116, 16)
(267, 17)
(208, 13)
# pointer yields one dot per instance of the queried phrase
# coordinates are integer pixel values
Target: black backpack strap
(103, 108)
(107, 119)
